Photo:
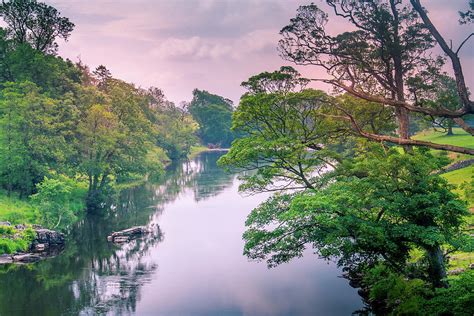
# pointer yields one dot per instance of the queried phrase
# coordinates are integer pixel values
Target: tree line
(64, 125)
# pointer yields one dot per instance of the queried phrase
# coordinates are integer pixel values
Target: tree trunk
(437, 269)
(403, 123)
(450, 128)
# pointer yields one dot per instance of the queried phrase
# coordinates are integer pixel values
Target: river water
(191, 265)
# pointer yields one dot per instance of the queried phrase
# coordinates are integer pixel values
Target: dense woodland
(68, 133)
(351, 177)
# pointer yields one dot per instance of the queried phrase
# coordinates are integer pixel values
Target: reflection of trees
(201, 175)
(93, 276)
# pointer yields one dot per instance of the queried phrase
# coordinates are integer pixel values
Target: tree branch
(468, 105)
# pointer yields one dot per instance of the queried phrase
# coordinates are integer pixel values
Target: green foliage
(59, 201)
(213, 113)
(59, 121)
(15, 210)
(155, 160)
(175, 131)
(378, 205)
(396, 294)
(281, 137)
(52, 74)
(458, 299)
(35, 23)
(284, 80)
(12, 241)
(34, 136)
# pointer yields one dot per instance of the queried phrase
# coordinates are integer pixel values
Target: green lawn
(15, 210)
(460, 177)
(460, 138)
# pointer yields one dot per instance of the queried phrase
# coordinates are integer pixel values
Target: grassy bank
(196, 150)
(460, 178)
(16, 211)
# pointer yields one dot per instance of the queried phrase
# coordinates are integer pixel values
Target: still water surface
(192, 265)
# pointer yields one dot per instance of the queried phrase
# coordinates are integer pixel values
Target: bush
(395, 294)
(12, 241)
(59, 201)
(458, 299)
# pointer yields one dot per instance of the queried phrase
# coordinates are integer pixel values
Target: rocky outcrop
(127, 234)
(47, 243)
(26, 257)
(46, 238)
(6, 258)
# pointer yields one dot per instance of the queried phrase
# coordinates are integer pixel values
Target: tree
(53, 201)
(443, 91)
(35, 136)
(381, 206)
(372, 206)
(175, 131)
(214, 115)
(35, 23)
(391, 44)
(102, 76)
(99, 134)
(114, 136)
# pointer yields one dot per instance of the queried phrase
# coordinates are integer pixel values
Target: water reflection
(193, 266)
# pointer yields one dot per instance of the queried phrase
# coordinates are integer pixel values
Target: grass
(12, 241)
(15, 210)
(459, 178)
(196, 150)
(460, 138)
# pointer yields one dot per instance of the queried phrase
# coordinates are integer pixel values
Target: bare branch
(464, 42)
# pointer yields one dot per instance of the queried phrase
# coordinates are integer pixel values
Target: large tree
(35, 23)
(382, 60)
(376, 207)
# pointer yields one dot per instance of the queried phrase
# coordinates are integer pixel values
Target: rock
(40, 247)
(471, 266)
(121, 239)
(26, 258)
(5, 224)
(456, 271)
(50, 237)
(6, 259)
(20, 227)
(127, 234)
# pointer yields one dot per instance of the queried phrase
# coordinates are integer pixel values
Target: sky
(180, 45)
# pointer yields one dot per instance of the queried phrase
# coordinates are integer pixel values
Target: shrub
(457, 299)
(59, 201)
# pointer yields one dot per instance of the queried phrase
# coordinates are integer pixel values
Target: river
(192, 265)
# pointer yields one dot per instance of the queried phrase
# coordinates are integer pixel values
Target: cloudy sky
(179, 45)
